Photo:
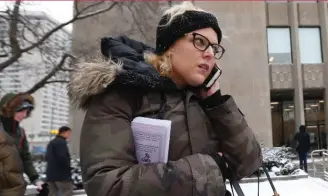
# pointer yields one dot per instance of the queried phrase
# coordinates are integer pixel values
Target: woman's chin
(197, 81)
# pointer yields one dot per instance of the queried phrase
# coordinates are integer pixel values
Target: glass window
(315, 123)
(279, 48)
(310, 45)
(283, 122)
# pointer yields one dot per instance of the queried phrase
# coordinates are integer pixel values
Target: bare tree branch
(80, 16)
(17, 51)
(31, 35)
(88, 7)
(66, 69)
(44, 80)
(4, 17)
(138, 24)
(76, 7)
(3, 48)
(57, 81)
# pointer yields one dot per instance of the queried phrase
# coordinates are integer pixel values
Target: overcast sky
(59, 10)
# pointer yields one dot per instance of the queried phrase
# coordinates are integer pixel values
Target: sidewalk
(32, 191)
(299, 187)
(319, 167)
(309, 160)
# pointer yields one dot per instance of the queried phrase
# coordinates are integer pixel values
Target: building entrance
(316, 130)
(283, 118)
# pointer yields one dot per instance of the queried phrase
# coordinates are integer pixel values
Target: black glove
(225, 169)
(227, 193)
(220, 161)
(44, 191)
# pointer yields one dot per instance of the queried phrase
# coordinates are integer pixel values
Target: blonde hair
(162, 63)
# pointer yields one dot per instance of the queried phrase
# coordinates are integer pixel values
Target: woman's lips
(204, 67)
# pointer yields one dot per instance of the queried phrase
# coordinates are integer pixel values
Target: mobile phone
(212, 78)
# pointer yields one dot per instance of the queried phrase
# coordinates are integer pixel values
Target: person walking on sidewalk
(59, 164)
(13, 109)
(302, 139)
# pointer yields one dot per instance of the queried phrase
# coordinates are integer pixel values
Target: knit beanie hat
(187, 22)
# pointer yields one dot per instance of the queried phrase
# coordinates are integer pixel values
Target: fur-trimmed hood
(10, 102)
(122, 63)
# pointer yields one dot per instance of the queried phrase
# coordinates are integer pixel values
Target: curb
(274, 178)
(33, 192)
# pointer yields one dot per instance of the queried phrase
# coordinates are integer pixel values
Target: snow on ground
(309, 160)
(299, 187)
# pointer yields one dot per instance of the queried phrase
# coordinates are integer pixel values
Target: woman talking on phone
(175, 81)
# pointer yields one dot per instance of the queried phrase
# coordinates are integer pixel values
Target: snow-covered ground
(309, 160)
(300, 187)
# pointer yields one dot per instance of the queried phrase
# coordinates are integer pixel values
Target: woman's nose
(24, 114)
(209, 52)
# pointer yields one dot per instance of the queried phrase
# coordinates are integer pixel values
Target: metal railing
(33, 192)
(324, 163)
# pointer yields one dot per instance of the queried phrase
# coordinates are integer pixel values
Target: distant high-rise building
(52, 107)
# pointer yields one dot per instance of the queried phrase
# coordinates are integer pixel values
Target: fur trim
(9, 107)
(127, 68)
(91, 78)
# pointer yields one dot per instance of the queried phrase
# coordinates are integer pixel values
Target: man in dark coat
(302, 139)
(13, 109)
(58, 164)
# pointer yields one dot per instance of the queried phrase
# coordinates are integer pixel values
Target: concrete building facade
(274, 66)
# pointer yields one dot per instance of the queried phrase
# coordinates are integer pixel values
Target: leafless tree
(24, 34)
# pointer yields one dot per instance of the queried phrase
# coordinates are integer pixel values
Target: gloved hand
(38, 183)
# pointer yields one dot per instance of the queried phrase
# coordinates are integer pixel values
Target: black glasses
(202, 43)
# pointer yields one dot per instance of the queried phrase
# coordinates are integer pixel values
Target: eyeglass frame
(208, 45)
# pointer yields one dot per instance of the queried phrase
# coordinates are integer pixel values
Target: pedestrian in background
(59, 164)
(13, 109)
(302, 140)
